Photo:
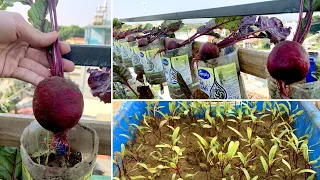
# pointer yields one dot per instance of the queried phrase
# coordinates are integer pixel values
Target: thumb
(33, 36)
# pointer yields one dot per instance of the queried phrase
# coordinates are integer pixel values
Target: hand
(22, 53)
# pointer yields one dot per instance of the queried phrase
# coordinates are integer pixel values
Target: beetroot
(121, 35)
(172, 45)
(208, 51)
(143, 42)
(57, 104)
(288, 62)
(131, 38)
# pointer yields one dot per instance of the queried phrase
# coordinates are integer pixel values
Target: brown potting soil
(60, 161)
(193, 154)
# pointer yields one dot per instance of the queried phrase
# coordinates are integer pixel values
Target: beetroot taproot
(57, 104)
(172, 44)
(208, 51)
(288, 62)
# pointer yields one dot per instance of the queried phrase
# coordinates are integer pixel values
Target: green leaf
(246, 173)
(163, 146)
(236, 131)
(255, 178)
(126, 136)
(232, 25)
(202, 140)
(206, 126)
(137, 177)
(10, 157)
(299, 112)
(249, 132)
(286, 163)
(37, 15)
(307, 171)
(173, 165)
(121, 74)
(264, 164)
(305, 151)
(285, 108)
(226, 169)
(162, 123)
(177, 150)
(311, 177)
(175, 134)
(242, 158)
(233, 148)
(148, 26)
(272, 153)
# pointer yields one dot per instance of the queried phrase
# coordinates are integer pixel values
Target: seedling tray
(307, 123)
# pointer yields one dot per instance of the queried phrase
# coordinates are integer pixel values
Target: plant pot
(152, 65)
(220, 77)
(81, 138)
(180, 60)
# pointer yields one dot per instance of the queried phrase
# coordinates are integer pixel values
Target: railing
(268, 7)
(12, 126)
(90, 55)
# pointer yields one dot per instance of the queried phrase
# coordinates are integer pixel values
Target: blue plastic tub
(307, 123)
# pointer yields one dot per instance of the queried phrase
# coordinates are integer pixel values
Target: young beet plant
(172, 162)
(290, 56)
(57, 102)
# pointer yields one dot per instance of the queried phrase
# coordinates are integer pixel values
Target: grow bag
(220, 77)
(307, 123)
(81, 138)
(152, 64)
(180, 60)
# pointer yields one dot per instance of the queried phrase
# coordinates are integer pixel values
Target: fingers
(27, 76)
(34, 67)
(31, 35)
(40, 57)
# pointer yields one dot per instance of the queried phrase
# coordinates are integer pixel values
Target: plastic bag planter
(220, 77)
(81, 138)
(307, 123)
(152, 64)
(180, 60)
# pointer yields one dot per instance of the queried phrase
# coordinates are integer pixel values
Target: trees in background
(66, 32)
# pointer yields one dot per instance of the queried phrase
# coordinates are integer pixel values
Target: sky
(136, 8)
(70, 12)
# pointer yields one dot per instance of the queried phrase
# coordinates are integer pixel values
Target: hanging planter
(180, 60)
(220, 77)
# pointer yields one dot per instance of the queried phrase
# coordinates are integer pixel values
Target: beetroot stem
(295, 38)
(308, 24)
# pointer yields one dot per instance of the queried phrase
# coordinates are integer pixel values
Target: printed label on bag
(116, 48)
(126, 51)
(151, 63)
(136, 60)
(220, 82)
(174, 65)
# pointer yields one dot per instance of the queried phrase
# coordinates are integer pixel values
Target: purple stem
(30, 2)
(295, 38)
(59, 58)
(195, 36)
(308, 24)
(228, 42)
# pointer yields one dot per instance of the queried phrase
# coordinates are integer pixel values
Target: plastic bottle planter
(220, 78)
(152, 64)
(179, 60)
(117, 52)
(299, 90)
(81, 138)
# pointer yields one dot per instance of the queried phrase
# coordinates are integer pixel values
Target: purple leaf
(249, 20)
(100, 83)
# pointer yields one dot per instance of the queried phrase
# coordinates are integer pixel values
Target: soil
(60, 161)
(193, 155)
